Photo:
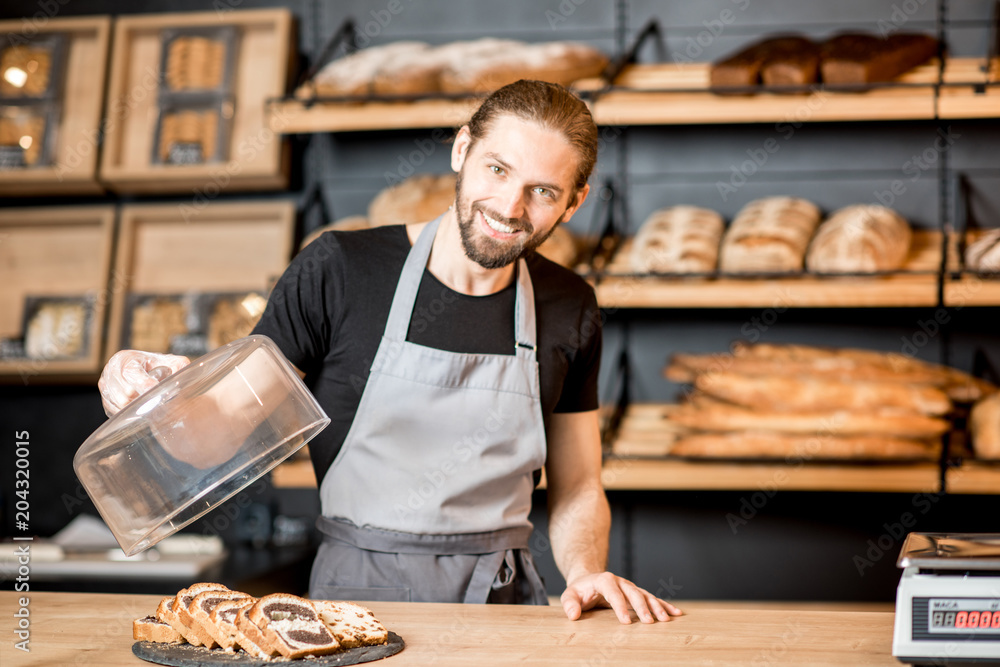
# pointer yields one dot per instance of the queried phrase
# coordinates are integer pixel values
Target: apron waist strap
(392, 541)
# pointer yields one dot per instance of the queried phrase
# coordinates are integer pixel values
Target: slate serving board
(185, 655)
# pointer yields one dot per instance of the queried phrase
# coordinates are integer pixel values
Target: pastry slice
(180, 619)
(196, 616)
(155, 628)
(287, 624)
(352, 624)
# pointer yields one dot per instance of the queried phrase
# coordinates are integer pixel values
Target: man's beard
(486, 251)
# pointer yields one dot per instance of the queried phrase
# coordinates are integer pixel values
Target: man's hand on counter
(605, 589)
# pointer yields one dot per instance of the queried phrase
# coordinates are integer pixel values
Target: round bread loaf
(419, 198)
(560, 247)
(983, 254)
(350, 223)
(769, 236)
(680, 239)
(860, 239)
(984, 422)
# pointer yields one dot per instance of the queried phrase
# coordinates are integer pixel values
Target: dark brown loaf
(855, 58)
(795, 58)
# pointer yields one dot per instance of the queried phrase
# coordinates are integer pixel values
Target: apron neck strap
(405, 296)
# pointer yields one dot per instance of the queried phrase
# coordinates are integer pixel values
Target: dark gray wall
(678, 544)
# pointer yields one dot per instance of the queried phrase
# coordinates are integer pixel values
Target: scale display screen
(967, 615)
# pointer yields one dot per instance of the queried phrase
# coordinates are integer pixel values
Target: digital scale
(948, 600)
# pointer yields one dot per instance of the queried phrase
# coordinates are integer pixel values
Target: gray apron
(428, 498)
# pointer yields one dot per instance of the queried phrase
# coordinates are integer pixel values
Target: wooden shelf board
(905, 289)
(974, 477)
(294, 475)
(291, 117)
(968, 101)
(968, 289)
(666, 475)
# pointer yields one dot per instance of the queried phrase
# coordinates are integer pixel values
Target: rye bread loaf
(864, 238)
(860, 58)
(795, 60)
(679, 239)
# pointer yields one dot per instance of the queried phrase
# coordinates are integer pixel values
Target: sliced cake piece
(196, 616)
(351, 624)
(152, 629)
(289, 624)
(222, 623)
(181, 620)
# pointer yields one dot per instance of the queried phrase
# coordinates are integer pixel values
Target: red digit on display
(973, 621)
(996, 620)
(961, 618)
(984, 619)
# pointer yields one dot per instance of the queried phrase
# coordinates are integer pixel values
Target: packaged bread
(56, 331)
(865, 238)
(195, 63)
(27, 70)
(859, 58)
(788, 60)
(419, 198)
(768, 444)
(984, 427)
(983, 254)
(679, 239)
(769, 236)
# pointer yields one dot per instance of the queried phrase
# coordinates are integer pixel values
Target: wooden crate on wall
(179, 254)
(50, 258)
(73, 147)
(253, 158)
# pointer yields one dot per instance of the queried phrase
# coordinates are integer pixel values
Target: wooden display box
(171, 249)
(51, 254)
(254, 156)
(75, 140)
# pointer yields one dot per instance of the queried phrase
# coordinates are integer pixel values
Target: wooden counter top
(87, 628)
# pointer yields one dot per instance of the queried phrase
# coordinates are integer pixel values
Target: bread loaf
(355, 73)
(769, 236)
(860, 239)
(855, 58)
(56, 331)
(984, 425)
(560, 247)
(485, 65)
(680, 239)
(721, 418)
(793, 61)
(802, 447)
(810, 393)
(419, 198)
(983, 254)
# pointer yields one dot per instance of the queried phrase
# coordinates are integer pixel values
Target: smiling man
(456, 364)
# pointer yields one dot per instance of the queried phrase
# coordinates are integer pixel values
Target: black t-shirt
(328, 311)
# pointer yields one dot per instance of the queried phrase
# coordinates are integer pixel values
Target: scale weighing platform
(948, 600)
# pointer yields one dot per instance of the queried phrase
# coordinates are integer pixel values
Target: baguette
(762, 444)
(804, 394)
(720, 417)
